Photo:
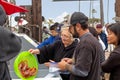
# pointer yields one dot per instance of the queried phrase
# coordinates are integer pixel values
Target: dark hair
(84, 25)
(53, 27)
(93, 31)
(115, 28)
(44, 27)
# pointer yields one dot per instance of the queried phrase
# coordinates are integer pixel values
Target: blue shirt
(103, 37)
(50, 40)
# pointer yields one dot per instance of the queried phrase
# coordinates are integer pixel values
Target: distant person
(85, 64)
(57, 51)
(102, 56)
(54, 36)
(102, 35)
(45, 33)
(10, 46)
(112, 64)
(110, 46)
(105, 28)
(95, 34)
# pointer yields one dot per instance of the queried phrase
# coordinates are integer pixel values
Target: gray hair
(66, 29)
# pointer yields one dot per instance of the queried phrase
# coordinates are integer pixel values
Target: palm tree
(117, 10)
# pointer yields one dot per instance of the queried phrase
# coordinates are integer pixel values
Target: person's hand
(68, 60)
(62, 65)
(47, 64)
(34, 51)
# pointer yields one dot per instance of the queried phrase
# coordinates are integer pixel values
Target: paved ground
(106, 56)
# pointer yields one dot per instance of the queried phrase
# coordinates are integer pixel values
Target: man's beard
(75, 35)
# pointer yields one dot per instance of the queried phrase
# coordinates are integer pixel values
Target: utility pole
(79, 5)
(117, 11)
(101, 12)
(108, 11)
(37, 19)
(40, 19)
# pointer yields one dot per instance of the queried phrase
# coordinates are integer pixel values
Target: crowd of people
(85, 60)
(78, 49)
(58, 50)
(84, 57)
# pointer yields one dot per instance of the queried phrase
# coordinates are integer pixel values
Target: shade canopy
(75, 0)
(11, 8)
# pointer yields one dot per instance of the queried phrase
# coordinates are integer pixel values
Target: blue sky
(52, 9)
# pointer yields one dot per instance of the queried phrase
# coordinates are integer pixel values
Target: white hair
(66, 29)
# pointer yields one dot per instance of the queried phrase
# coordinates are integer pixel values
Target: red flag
(11, 8)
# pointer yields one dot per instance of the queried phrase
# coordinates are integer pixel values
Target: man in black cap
(10, 46)
(85, 64)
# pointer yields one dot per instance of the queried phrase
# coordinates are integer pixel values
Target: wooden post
(117, 11)
(101, 12)
(33, 18)
(37, 20)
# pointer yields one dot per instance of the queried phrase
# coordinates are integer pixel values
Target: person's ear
(78, 26)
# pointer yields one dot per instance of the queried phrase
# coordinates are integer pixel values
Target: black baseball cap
(78, 17)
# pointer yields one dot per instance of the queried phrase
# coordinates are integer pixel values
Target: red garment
(11, 8)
